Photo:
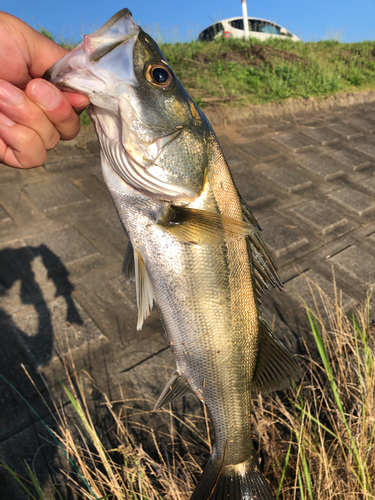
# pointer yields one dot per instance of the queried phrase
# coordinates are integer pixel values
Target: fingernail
(10, 94)
(46, 95)
(4, 120)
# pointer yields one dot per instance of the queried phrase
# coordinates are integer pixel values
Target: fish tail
(232, 482)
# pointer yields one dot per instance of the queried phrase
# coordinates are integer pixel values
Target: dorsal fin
(145, 294)
(265, 270)
(248, 214)
(276, 368)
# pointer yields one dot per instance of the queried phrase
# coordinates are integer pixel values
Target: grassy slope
(239, 71)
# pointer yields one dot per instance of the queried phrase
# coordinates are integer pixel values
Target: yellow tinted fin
(176, 387)
(276, 368)
(144, 292)
(201, 227)
(128, 268)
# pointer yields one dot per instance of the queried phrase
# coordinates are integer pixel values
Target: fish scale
(194, 246)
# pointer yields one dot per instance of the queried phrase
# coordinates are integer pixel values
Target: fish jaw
(100, 63)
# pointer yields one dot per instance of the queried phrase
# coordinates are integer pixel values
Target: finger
(78, 101)
(18, 107)
(20, 146)
(56, 107)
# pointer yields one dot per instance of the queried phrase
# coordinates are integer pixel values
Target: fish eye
(160, 75)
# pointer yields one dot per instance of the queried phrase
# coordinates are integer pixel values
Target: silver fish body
(195, 249)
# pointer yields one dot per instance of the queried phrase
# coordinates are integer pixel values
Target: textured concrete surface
(310, 180)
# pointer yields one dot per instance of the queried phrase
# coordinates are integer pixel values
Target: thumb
(43, 53)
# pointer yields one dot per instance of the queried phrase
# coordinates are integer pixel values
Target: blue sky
(311, 20)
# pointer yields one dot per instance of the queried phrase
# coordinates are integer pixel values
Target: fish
(194, 245)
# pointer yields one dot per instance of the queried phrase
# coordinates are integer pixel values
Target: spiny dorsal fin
(176, 387)
(265, 270)
(128, 267)
(201, 227)
(144, 292)
(276, 368)
(248, 214)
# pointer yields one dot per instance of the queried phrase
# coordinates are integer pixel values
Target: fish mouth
(94, 63)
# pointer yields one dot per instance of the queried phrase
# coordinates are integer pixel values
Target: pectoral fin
(145, 294)
(276, 368)
(175, 388)
(201, 227)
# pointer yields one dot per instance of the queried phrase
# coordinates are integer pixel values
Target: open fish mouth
(95, 63)
(107, 68)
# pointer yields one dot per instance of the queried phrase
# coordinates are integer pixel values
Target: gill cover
(130, 92)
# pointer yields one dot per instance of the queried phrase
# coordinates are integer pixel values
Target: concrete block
(356, 262)
(323, 166)
(313, 289)
(361, 124)
(322, 218)
(252, 191)
(281, 239)
(295, 142)
(349, 159)
(367, 149)
(57, 163)
(287, 178)
(52, 195)
(322, 136)
(353, 200)
(369, 185)
(232, 155)
(345, 131)
(64, 246)
(260, 150)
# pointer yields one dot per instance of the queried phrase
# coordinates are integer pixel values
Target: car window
(257, 26)
(269, 28)
(210, 32)
(237, 24)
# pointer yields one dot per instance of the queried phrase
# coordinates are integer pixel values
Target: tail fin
(232, 482)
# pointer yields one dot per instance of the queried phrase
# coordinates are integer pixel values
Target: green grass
(241, 72)
(238, 72)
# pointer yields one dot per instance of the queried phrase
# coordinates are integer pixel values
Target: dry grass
(316, 440)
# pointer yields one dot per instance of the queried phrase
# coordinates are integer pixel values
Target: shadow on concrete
(22, 437)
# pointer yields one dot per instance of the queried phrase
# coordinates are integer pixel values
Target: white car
(234, 28)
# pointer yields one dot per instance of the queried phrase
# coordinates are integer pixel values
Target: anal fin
(276, 367)
(176, 387)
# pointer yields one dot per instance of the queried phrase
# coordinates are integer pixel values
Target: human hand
(34, 114)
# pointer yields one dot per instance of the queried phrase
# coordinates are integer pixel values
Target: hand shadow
(22, 438)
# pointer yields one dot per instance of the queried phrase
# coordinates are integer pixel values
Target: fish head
(151, 132)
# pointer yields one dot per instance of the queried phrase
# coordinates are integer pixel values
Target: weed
(317, 439)
(243, 72)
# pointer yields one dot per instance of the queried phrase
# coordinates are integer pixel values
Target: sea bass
(194, 250)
